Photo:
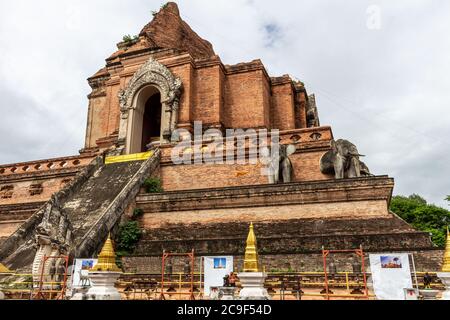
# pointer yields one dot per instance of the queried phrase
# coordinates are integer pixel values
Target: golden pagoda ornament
(4, 269)
(446, 264)
(251, 254)
(107, 258)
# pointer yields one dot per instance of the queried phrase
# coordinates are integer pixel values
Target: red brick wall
(186, 74)
(283, 114)
(355, 209)
(244, 103)
(189, 177)
(307, 166)
(208, 102)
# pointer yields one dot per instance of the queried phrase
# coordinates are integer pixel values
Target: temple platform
(293, 222)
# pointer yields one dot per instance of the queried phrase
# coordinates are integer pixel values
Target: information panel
(391, 275)
(215, 269)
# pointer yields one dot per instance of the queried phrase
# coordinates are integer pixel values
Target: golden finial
(251, 255)
(446, 265)
(4, 269)
(107, 258)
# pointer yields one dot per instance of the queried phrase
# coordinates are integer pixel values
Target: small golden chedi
(107, 258)
(251, 254)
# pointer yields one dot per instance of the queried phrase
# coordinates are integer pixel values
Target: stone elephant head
(343, 160)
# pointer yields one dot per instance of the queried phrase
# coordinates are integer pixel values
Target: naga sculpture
(343, 161)
(53, 239)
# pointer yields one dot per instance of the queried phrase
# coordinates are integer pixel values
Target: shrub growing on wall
(152, 185)
(128, 237)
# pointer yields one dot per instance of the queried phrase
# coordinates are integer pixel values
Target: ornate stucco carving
(155, 74)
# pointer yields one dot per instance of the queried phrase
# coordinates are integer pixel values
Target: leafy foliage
(153, 185)
(128, 39)
(137, 213)
(424, 217)
(128, 237)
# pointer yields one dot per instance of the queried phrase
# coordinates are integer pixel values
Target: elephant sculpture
(281, 166)
(343, 161)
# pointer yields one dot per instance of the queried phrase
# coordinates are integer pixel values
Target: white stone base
(445, 278)
(2, 296)
(103, 286)
(253, 286)
(79, 293)
(226, 293)
(429, 294)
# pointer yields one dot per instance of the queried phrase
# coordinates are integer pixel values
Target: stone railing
(310, 135)
(45, 165)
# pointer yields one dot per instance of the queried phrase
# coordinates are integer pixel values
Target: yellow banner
(129, 157)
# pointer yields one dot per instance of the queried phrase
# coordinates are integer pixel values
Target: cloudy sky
(380, 71)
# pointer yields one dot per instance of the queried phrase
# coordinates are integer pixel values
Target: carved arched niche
(150, 77)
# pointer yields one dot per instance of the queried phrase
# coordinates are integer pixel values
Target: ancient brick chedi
(167, 79)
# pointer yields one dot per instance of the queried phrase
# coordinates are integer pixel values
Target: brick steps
(286, 237)
(281, 228)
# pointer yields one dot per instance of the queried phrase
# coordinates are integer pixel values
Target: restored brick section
(186, 73)
(283, 112)
(193, 176)
(267, 214)
(208, 98)
(306, 164)
(245, 100)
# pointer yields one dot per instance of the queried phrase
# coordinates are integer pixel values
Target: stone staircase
(87, 209)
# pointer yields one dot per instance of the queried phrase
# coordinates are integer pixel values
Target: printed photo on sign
(391, 262)
(220, 263)
(87, 264)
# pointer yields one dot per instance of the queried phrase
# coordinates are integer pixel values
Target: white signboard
(215, 269)
(391, 275)
(80, 272)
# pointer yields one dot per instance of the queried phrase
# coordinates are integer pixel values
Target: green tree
(448, 198)
(423, 216)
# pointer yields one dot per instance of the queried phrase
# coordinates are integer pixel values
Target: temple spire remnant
(251, 254)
